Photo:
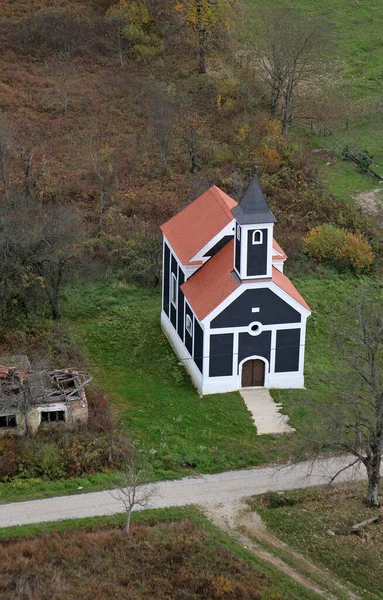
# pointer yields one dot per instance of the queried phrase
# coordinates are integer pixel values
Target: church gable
(261, 305)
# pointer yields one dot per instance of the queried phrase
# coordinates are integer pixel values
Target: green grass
(26, 489)
(179, 432)
(355, 29)
(304, 517)
(324, 296)
(99, 530)
(153, 398)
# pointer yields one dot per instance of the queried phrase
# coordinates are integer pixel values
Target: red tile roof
(193, 227)
(214, 282)
(277, 247)
(285, 284)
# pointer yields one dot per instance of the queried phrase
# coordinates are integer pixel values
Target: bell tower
(253, 234)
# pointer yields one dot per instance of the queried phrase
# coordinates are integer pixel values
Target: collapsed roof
(22, 388)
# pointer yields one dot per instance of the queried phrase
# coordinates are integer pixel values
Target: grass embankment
(355, 29)
(304, 518)
(173, 553)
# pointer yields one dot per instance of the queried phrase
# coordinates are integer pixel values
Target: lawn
(355, 29)
(118, 328)
(303, 518)
(177, 430)
(173, 553)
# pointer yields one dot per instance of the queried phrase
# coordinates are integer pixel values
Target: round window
(255, 328)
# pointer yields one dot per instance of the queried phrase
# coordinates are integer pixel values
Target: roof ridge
(221, 200)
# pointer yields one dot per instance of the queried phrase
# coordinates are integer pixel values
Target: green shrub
(278, 500)
(338, 247)
(45, 460)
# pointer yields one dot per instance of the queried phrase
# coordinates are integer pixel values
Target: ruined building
(30, 398)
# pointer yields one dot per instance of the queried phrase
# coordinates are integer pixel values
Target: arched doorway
(253, 373)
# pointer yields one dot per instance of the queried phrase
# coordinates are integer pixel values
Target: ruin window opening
(8, 421)
(53, 416)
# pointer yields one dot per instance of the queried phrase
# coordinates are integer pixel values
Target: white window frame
(253, 240)
(238, 233)
(258, 328)
(173, 290)
(189, 325)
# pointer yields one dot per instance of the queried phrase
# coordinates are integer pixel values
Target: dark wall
(219, 245)
(258, 345)
(221, 355)
(166, 276)
(188, 337)
(257, 254)
(181, 305)
(198, 345)
(237, 251)
(287, 350)
(273, 310)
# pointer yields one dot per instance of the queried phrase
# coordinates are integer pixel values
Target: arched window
(257, 237)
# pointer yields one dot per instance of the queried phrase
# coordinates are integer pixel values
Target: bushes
(59, 452)
(339, 248)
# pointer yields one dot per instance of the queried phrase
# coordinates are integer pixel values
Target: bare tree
(61, 68)
(288, 54)
(101, 161)
(351, 420)
(6, 144)
(56, 250)
(163, 118)
(133, 492)
(38, 247)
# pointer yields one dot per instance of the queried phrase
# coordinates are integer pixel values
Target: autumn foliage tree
(129, 22)
(208, 21)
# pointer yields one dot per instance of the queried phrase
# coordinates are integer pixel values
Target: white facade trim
(181, 351)
(279, 263)
(255, 357)
(229, 229)
(244, 247)
(255, 286)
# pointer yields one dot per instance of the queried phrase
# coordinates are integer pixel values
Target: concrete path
(265, 411)
(204, 489)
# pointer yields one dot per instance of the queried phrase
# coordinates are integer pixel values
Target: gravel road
(204, 489)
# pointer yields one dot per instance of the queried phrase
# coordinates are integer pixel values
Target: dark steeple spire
(253, 208)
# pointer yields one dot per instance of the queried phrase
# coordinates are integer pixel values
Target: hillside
(147, 136)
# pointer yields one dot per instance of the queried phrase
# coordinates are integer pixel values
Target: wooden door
(253, 373)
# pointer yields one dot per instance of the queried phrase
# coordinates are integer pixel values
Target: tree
(101, 161)
(133, 492)
(352, 420)
(61, 69)
(192, 130)
(208, 20)
(38, 248)
(6, 144)
(288, 53)
(128, 19)
(55, 250)
(144, 258)
(163, 117)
